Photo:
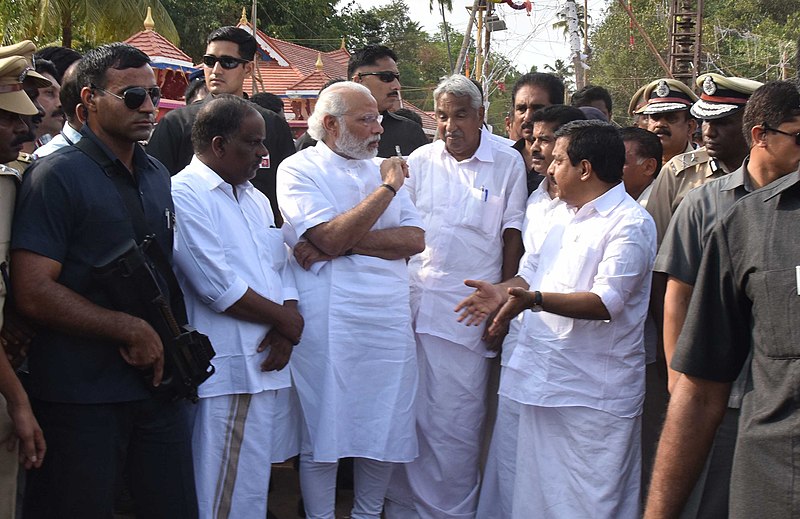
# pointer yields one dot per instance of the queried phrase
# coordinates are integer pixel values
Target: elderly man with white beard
(352, 225)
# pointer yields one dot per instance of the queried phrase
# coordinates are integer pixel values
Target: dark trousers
(88, 445)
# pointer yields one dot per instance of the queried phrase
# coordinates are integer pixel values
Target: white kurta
(222, 247)
(569, 371)
(246, 418)
(607, 248)
(355, 369)
(465, 206)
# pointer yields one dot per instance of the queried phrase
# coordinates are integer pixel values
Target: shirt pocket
(776, 303)
(478, 209)
(271, 248)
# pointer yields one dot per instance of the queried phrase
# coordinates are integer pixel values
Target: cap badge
(709, 87)
(663, 89)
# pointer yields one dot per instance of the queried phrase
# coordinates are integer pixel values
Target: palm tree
(444, 4)
(562, 70)
(99, 20)
(563, 23)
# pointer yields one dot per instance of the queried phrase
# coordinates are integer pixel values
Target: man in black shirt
(88, 363)
(375, 67)
(228, 61)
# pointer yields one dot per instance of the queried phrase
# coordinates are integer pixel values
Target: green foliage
(618, 66)
(80, 23)
(755, 39)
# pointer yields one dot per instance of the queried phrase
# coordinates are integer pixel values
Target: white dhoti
(577, 462)
(235, 440)
(444, 480)
(497, 489)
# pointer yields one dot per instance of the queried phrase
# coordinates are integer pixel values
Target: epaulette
(25, 158)
(10, 170)
(686, 160)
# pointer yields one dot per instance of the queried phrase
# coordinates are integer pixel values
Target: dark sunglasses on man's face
(387, 76)
(795, 135)
(226, 62)
(134, 97)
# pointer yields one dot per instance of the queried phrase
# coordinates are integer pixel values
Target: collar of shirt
(70, 134)
(739, 178)
(140, 157)
(483, 153)
(211, 179)
(604, 203)
(790, 182)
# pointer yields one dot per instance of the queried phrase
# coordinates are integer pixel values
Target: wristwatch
(537, 302)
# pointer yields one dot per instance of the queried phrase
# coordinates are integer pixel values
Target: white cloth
(235, 440)
(444, 481)
(645, 196)
(222, 247)
(67, 137)
(607, 248)
(318, 485)
(576, 463)
(542, 212)
(355, 369)
(497, 488)
(465, 206)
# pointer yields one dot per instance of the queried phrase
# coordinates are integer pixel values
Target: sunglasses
(387, 76)
(134, 97)
(795, 135)
(226, 62)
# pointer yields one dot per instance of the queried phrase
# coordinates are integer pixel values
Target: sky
(528, 40)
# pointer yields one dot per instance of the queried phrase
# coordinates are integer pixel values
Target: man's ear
(758, 134)
(586, 169)
(218, 146)
(88, 99)
(248, 68)
(651, 166)
(331, 124)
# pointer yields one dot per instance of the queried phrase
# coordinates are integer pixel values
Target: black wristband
(390, 188)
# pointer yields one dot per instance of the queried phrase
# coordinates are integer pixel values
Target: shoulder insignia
(26, 158)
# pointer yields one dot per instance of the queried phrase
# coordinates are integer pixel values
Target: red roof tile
(159, 48)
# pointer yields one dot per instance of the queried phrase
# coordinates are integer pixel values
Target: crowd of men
(487, 327)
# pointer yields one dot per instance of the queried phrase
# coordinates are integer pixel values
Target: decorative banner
(525, 4)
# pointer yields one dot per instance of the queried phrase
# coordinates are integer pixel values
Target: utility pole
(571, 13)
(467, 36)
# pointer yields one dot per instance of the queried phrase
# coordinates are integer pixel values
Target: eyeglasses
(795, 135)
(226, 62)
(134, 97)
(369, 119)
(387, 76)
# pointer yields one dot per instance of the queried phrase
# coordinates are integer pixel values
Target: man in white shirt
(470, 191)
(230, 260)
(542, 210)
(579, 363)
(70, 100)
(352, 226)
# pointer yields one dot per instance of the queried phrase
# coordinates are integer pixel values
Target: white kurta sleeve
(516, 195)
(627, 259)
(199, 254)
(302, 202)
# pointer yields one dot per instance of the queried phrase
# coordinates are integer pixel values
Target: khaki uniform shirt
(680, 175)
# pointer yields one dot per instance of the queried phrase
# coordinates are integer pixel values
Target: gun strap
(129, 192)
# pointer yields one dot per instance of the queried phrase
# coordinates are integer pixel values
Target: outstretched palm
(486, 299)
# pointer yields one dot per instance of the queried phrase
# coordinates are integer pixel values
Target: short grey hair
(458, 86)
(331, 102)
